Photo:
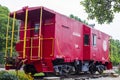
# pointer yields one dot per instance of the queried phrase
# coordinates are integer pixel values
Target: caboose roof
(30, 9)
(21, 12)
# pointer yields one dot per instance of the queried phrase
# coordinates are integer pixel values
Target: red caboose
(51, 42)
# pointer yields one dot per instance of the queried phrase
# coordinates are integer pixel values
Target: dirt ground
(110, 77)
(106, 78)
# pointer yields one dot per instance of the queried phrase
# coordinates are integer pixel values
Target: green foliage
(78, 19)
(4, 75)
(21, 75)
(101, 10)
(118, 72)
(115, 51)
(4, 11)
(39, 74)
(1, 58)
(11, 75)
(3, 21)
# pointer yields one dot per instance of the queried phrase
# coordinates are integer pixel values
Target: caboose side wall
(105, 48)
(95, 46)
(68, 38)
(99, 46)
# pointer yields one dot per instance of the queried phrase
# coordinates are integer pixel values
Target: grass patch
(39, 74)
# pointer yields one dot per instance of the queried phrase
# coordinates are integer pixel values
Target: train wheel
(63, 70)
(100, 69)
(28, 68)
(92, 69)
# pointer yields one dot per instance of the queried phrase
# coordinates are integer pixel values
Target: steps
(47, 66)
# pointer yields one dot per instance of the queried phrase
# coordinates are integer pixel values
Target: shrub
(4, 75)
(11, 75)
(21, 75)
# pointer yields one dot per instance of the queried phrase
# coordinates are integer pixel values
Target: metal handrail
(26, 20)
(30, 28)
(40, 35)
(7, 36)
(13, 25)
(39, 47)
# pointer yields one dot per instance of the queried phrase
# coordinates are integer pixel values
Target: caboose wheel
(28, 68)
(100, 71)
(100, 68)
(63, 70)
(92, 69)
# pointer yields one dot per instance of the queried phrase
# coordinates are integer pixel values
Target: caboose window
(19, 25)
(86, 39)
(94, 40)
(36, 30)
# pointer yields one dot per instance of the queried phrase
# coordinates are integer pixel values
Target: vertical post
(41, 46)
(7, 36)
(40, 34)
(12, 38)
(25, 32)
(31, 49)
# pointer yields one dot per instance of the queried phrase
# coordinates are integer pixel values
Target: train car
(51, 42)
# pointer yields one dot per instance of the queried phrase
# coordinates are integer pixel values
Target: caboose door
(86, 47)
(86, 43)
(42, 38)
(35, 41)
(48, 37)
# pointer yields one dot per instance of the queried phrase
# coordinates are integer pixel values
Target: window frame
(36, 28)
(86, 39)
(94, 39)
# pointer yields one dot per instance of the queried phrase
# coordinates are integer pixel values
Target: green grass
(39, 74)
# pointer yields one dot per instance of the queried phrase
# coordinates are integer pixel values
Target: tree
(101, 10)
(3, 21)
(78, 19)
(115, 51)
(4, 11)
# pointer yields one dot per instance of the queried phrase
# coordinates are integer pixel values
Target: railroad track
(73, 77)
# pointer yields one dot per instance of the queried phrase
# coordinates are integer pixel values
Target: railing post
(7, 36)
(40, 35)
(41, 47)
(31, 48)
(12, 38)
(25, 32)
